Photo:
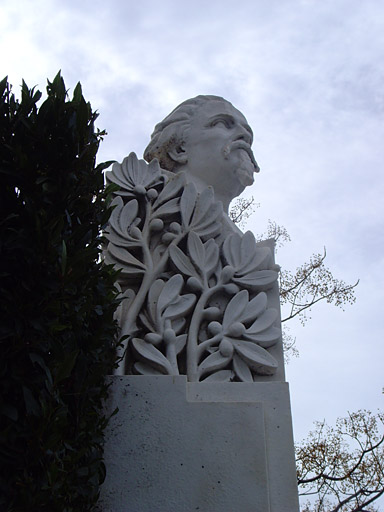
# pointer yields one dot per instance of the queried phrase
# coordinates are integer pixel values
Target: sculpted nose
(244, 135)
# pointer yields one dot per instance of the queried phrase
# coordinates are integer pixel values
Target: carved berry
(167, 238)
(152, 194)
(226, 348)
(236, 330)
(139, 190)
(156, 225)
(135, 232)
(231, 288)
(175, 227)
(153, 338)
(227, 273)
(214, 328)
(194, 284)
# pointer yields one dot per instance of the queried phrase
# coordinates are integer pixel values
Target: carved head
(210, 140)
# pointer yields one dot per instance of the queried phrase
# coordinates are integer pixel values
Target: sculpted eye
(228, 123)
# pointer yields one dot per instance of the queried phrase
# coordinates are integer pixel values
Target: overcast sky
(309, 77)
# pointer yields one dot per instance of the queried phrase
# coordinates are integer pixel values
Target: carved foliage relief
(192, 304)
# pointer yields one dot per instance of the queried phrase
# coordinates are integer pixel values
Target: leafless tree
(341, 468)
(303, 288)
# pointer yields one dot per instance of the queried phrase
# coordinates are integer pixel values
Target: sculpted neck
(202, 185)
(224, 187)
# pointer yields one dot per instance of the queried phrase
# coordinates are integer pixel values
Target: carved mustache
(241, 144)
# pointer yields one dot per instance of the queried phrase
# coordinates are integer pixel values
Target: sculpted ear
(178, 155)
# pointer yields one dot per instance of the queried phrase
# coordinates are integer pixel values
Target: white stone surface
(196, 296)
(210, 140)
(212, 447)
(207, 424)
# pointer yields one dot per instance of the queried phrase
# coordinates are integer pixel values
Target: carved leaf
(148, 323)
(259, 280)
(261, 259)
(235, 308)
(182, 262)
(210, 225)
(128, 215)
(200, 213)
(257, 358)
(153, 296)
(116, 176)
(169, 208)
(213, 362)
(171, 190)
(264, 321)
(248, 246)
(126, 300)
(139, 172)
(255, 307)
(187, 203)
(152, 356)
(180, 343)
(132, 172)
(242, 369)
(210, 231)
(231, 250)
(221, 376)
(120, 255)
(204, 202)
(178, 324)
(179, 307)
(242, 253)
(126, 241)
(123, 216)
(211, 257)
(265, 339)
(196, 250)
(130, 167)
(171, 290)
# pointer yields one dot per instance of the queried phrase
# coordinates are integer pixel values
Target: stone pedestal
(176, 446)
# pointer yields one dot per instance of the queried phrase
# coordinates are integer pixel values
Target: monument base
(177, 446)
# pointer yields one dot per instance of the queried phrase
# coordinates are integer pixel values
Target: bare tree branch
(343, 466)
(241, 209)
(311, 283)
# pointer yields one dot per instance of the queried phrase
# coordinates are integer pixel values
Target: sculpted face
(218, 151)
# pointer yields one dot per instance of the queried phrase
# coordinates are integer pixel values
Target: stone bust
(196, 290)
(209, 139)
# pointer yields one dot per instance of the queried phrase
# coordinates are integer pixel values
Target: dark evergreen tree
(57, 332)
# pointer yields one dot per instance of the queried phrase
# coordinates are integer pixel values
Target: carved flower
(245, 333)
(135, 177)
(248, 264)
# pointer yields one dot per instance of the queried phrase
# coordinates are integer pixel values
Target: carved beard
(248, 165)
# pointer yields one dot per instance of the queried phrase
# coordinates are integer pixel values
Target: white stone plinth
(213, 447)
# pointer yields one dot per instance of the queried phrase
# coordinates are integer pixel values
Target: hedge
(57, 332)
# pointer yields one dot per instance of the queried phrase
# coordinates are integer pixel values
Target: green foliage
(57, 334)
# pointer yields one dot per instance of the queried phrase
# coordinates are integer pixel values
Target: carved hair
(170, 132)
